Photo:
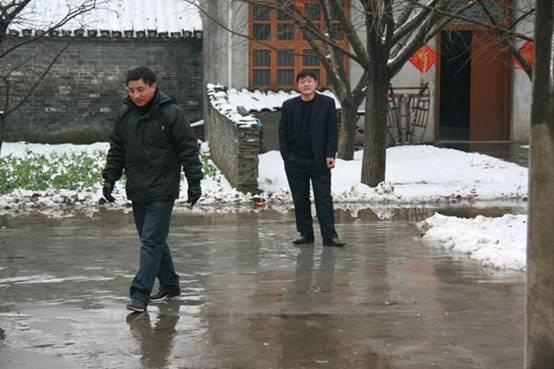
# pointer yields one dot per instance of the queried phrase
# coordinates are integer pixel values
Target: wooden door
(490, 89)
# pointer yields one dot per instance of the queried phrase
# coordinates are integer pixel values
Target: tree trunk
(375, 135)
(539, 343)
(347, 133)
(2, 125)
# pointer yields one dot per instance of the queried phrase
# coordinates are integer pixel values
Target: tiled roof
(229, 102)
(269, 100)
(162, 16)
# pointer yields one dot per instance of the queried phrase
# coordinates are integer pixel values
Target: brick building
(79, 98)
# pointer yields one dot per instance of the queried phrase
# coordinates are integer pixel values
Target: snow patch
(497, 242)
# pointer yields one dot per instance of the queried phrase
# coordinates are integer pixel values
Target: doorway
(455, 85)
(474, 87)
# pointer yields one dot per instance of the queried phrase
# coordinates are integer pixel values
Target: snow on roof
(258, 101)
(217, 94)
(227, 101)
(113, 15)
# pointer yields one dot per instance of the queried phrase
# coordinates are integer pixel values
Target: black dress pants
(300, 171)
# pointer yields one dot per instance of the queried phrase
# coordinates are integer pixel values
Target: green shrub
(39, 172)
(73, 171)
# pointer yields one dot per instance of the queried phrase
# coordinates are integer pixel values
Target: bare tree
(506, 30)
(383, 35)
(539, 351)
(394, 31)
(17, 13)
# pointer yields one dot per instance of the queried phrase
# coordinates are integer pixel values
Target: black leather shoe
(335, 242)
(303, 240)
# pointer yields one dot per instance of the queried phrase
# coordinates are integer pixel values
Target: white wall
(521, 88)
(225, 53)
(411, 76)
(408, 75)
(219, 44)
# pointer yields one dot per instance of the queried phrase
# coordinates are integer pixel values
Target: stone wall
(78, 100)
(234, 150)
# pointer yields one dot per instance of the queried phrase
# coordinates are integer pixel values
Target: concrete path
(251, 300)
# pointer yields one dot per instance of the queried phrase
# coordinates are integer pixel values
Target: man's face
(141, 93)
(307, 85)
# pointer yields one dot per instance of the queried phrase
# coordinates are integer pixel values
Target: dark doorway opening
(455, 85)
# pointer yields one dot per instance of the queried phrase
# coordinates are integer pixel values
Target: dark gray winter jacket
(151, 148)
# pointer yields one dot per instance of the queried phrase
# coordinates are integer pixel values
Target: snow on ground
(19, 149)
(497, 242)
(414, 174)
(216, 190)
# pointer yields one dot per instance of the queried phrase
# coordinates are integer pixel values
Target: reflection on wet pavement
(251, 300)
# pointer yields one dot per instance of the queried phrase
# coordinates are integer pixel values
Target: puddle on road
(229, 215)
(251, 300)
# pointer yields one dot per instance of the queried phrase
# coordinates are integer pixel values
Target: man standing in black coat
(151, 142)
(308, 144)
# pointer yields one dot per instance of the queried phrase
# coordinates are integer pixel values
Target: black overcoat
(323, 127)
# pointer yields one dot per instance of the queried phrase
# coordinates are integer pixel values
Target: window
(285, 31)
(310, 58)
(262, 77)
(262, 31)
(285, 77)
(261, 71)
(278, 48)
(336, 32)
(312, 11)
(261, 13)
(262, 58)
(285, 58)
(285, 14)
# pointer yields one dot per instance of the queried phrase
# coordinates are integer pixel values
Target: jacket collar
(160, 98)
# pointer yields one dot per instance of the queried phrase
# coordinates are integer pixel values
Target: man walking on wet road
(308, 144)
(151, 141)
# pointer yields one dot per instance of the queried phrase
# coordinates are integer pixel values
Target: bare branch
(408, 27)
(521, 18)
(405, 14)
(525, 65)
(31, 90)
(85, 7)
(351, 33)
(426, 31)
(457, 15)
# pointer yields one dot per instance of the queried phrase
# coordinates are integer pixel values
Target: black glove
(107, 191)
(194, 192)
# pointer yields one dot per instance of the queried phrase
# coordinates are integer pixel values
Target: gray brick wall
(80, 97)
(234, 150)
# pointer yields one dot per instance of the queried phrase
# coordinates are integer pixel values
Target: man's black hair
(306, 73)
(143, 73)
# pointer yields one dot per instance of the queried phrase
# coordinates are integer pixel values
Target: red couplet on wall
(526, 50)
(424, 59)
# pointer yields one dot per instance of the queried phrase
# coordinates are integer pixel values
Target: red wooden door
(490, 89)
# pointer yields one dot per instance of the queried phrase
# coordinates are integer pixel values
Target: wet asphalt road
(250, 299)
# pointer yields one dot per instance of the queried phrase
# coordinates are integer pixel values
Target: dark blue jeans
(152, 220)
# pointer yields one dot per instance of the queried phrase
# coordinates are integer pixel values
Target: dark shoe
(335, 242)
(303, 240)
(137, 320)
(137, 306)
(161, 296)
